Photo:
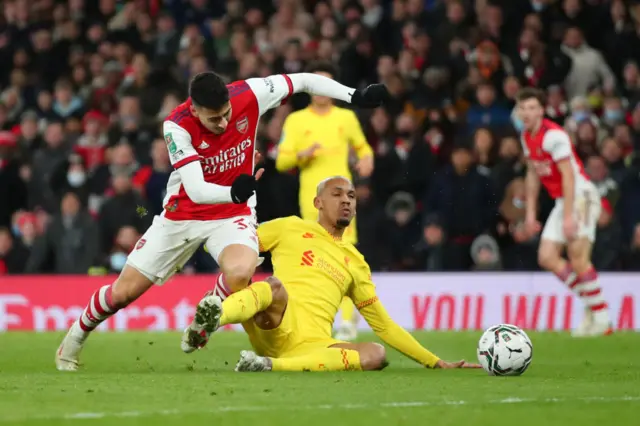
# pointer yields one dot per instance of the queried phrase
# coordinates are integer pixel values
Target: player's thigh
(276, 341)
(164, 248)
(234, 246)
(372, 355)
(552, 230)
(587, 210)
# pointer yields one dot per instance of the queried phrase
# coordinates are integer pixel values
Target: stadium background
(85, 86)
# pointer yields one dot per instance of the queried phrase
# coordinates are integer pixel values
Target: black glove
(243, 188)
(371, 96)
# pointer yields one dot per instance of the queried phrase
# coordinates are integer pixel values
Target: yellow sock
(329, 359)
(348, 310)
(244, 304)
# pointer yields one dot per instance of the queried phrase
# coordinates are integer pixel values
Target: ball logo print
(242, 124)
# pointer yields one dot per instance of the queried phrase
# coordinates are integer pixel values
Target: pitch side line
(365, 406)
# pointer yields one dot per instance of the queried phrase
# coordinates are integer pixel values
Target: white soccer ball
(505, 350)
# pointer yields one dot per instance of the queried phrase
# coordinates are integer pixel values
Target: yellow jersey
(336, 132)
(318, 271)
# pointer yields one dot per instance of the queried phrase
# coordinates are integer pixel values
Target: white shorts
(167, 245)
(587, 208)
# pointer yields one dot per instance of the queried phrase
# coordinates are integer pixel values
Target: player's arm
(274, 90)
(558, 144)
(364, 296)
(287, 157)
(532, 190)
(359, 143)
(186, 161)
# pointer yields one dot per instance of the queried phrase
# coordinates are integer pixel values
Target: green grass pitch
(144, 379)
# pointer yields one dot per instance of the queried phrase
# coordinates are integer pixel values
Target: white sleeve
(200, 191)
(274, 90)
(178, 140)
(185, 160)
(557, 143)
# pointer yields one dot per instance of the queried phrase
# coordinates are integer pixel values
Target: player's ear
(317, 202)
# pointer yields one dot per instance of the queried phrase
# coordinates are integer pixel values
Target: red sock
(221, 289)
(588, 289)
(99, 309)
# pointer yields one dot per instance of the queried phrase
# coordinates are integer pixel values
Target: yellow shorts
(291, 338)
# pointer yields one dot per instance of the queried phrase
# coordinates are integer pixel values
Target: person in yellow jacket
(318, 141)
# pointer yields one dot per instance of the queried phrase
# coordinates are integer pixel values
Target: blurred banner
(435, 301)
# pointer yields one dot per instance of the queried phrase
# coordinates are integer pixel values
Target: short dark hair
(208, 90)
(531, 93)
(324, 67)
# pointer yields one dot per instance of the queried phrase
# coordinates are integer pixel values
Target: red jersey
(545, 149)
(222, 157)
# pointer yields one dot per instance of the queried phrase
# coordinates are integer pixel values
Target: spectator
(46, 162)
(589, 66)
(156, 187)
(12, 189)
(125, 207)
(12, 255)
(458, 189)
(487, 111)
(632, 254)
(608, 238)
(71, 241)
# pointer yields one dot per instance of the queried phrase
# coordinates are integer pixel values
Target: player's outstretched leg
(348, 330)
(212, 313)
(587, 287)
(104, 303)
(342, 357)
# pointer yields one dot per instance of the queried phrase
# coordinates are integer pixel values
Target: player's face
(530, 112)
(337, 203)
(215, 121)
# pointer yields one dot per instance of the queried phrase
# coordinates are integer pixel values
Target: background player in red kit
(572, 223)
(210, 195)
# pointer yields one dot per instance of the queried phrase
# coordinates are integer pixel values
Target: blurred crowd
(86, 84)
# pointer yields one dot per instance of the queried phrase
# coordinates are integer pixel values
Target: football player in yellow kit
(289, 319)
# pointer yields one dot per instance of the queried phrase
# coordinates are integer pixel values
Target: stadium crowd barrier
(417, 301)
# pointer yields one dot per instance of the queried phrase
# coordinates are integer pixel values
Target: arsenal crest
(242, 124)
(141, 243)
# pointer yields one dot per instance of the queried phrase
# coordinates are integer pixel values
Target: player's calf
(237, 264)
(550, 256)
(104, 303)
(373, 356)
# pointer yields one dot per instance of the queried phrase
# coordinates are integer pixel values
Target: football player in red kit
(572, 223)
(210, 197)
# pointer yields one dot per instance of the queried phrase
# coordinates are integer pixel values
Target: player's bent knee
(238, 276)
(373, 357)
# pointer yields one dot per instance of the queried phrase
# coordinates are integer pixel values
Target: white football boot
(68, 354)
(205, 322)
(594, 325)
(585, 325)
(347, 332)
(250, 362)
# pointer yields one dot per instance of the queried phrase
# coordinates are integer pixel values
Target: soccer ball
(505, 350)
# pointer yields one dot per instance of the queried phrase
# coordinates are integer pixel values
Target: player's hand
(257, 157)
(569, 227)
(244, 186)
(532, 226)
(309, 152)
(371, 96)
(457, 364)
(365, 166)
